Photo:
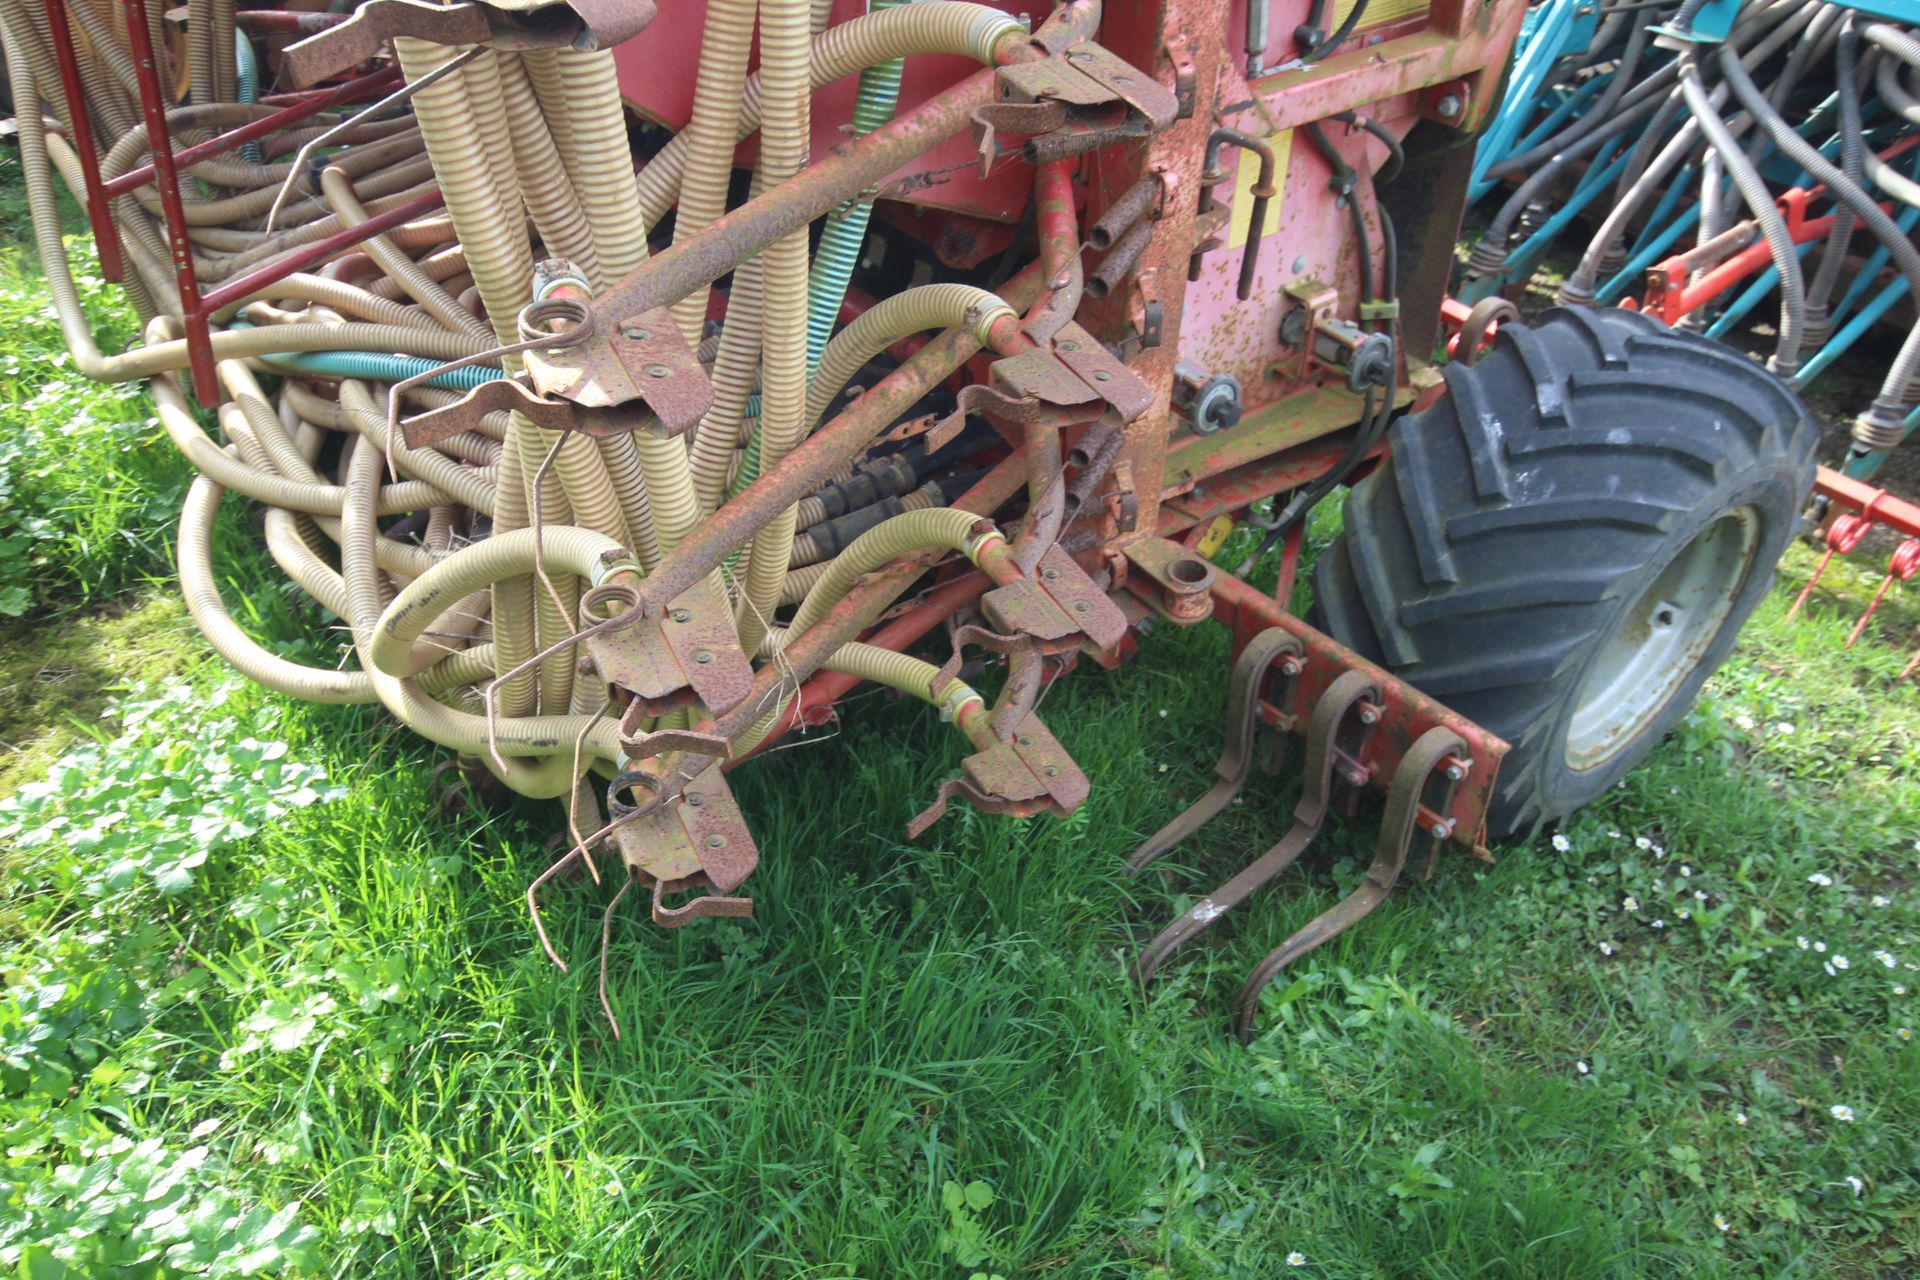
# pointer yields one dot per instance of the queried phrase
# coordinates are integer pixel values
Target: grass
(273, 1006)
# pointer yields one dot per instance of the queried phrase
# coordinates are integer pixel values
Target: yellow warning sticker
(1248, 174)
(1379, 12)
(1216, 534)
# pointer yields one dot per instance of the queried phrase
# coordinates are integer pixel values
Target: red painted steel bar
(350, 91)
(1875, 504)
(319, 251)
(106, 240)
(153, 105)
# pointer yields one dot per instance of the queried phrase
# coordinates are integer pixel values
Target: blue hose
(374, 366)
(247, 67)
(846, 227)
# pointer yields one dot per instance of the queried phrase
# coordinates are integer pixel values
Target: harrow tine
(1316, 788)
(1389, 859)
(1274, 645)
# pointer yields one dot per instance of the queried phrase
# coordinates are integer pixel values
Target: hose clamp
(978, 543)
(953, 700)
(606, 571)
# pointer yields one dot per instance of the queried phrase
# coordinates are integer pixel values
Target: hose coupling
(610, 569)
(952, 700)
(1879, 429)
(979, 543)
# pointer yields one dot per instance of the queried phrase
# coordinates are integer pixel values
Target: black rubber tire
(1519, 519)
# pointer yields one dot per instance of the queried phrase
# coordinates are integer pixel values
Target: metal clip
(690, 654)
(1076, 101)
(1029, 774)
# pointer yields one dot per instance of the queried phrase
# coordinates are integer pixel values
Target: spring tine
(1390, 857)
(1316, 787)
(1275, 644)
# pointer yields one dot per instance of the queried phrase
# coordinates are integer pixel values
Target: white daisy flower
(1745, 722)
(1560, 843)
(1828, 966)
(1857, 1185)
(1685, 870)
(1629, 903)
(1819, 946)
(1720, 1221)
(1841, 962)
(1885, 958)
(1699, 895)
(1684, 915)
(1296, 1259)
(1882, 900)
(1613, 833)
(1659, 924)
(1581, 1066)
(1904, 1033)
(1739, 1117)
(1820, 878)
(1841, 1112)
(1641, 842)
(1804, 944)
(1783, 727)
(1607, 948)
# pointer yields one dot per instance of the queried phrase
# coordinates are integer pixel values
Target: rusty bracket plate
(689, 654)
(1097, 368)
(509, 24)
(1158, 105)
(698, 836)
(424, 430)
(645, 359)
(1072, 102)
(1057, 606)
(1029, 773)
(1182, 587)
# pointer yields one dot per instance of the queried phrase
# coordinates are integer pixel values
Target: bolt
(1068, 345)
(659, 371)
(1449, 106)
(635, 333)
(1369, 714)
(716, 841)
(586, 666)
(1024, 740)
(1300, 264)
(1052, 771)
(702, 656)
(1441, 828)
(694, 802)
(1457, 768)
(1290, 667)
(680, 615)
(1123, 82)
(1356, 774)
(1101, 375)
(1080, 606)
(1049, 574)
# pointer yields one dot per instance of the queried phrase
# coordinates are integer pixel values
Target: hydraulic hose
(932, 306)
(1853, 149)
(1760, 202)
(1889, 405)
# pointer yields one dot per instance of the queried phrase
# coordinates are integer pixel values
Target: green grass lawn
(273, 1007)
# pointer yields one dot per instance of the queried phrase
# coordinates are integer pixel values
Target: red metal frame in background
(164, 172)
(1671, 298)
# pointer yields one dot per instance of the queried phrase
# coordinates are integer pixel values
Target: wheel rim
(1662, 639)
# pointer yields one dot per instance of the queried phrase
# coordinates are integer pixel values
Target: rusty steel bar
(106, 240)
(813, 462)
(816, 191)
(335, 96)
(153, 100)
(319, 251)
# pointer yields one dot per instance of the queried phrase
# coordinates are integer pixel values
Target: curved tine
(1328, 715)
(1390, 857)
(1236, 757)
(1308, 815)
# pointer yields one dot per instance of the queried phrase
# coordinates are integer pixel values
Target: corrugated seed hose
(459, 567)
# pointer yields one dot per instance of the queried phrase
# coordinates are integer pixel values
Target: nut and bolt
(1101, 375)
(1449, 106)
(702, 656)
(635, 333)
(716, 841)
(680, 615)
(1440, 828)
(694, 802)
(1458, 768)
(1290, 667)
(1369, 713)
(1049, 574)
(659, 371)
(1067, 345)
(1080, 606)
(1356, 774)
